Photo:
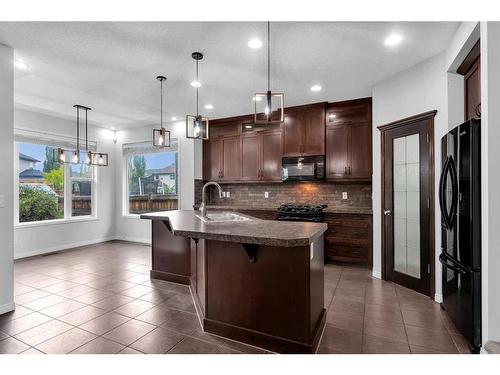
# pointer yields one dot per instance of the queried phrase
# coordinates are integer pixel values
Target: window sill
(80, 219)
(131, 216)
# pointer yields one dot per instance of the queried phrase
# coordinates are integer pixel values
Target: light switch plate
(266, 194)
(228, 194)
(344, 195)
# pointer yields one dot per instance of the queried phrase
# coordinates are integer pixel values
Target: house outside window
(151, 178)
(46, 189)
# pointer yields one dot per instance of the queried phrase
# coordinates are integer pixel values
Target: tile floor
(99, 299)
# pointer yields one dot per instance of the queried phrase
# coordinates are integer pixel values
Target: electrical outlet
(266, 194)
(344, 195)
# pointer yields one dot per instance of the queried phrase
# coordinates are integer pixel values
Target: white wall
(6, 177)
(32, 240)
(490, 178)
(419, 89)
(189, 157)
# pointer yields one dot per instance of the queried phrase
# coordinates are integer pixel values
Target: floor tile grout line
(403, 320)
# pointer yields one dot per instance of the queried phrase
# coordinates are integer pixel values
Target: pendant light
(161, 136)
(73, 156)
(197, 125)
(269, 106)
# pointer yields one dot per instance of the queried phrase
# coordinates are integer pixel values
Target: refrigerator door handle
(448, 218)
(444, 262)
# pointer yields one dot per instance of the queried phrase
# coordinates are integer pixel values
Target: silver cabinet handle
(387, 212)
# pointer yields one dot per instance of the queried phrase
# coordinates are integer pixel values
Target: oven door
(303, 168)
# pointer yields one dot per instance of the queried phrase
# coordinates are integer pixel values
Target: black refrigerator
(460, 202)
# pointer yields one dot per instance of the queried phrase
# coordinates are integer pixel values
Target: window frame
(67, 197)
(125, 177)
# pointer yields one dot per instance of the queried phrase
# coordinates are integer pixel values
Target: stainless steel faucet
(203, 209)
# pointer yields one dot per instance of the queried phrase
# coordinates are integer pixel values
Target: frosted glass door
(406, 180)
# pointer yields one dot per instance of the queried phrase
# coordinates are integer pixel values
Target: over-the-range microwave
(303, 168)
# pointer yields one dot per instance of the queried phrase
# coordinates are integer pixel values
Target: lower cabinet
(348, 238)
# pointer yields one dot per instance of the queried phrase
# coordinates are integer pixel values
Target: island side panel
(198, 265)
(317, 290)
(270, 297)
(171, 254)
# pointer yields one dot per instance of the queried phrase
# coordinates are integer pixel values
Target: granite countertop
(332, 210)
(254, 231)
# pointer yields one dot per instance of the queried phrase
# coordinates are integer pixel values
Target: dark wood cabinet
(251, 150)
(304, 130)
(261, 156)
(271, 169)
(231, 158)
(337, 139)
(349, 141)
(348, 238)
(472, 86)
(212, 163)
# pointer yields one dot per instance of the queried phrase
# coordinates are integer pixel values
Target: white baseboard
(66, 246)
(438, 298)
(377, 274)
(8, 307)
(146, 241)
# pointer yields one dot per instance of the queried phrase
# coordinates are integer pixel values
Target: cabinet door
(251, 157)
(472, 85)
(314, 131)
(231, 159)
(212, 163)
(293, 133)
(360, 151)
(337, 139)
(271, 156)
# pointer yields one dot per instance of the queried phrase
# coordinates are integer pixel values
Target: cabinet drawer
(347, 252)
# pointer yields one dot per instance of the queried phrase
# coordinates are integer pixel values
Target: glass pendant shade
(196, 127)
(269, 107)
(67, 156)
(161, 137)
(99, 159)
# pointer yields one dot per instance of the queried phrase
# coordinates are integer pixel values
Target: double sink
(222, 217)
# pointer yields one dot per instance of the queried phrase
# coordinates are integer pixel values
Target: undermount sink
(221, 217)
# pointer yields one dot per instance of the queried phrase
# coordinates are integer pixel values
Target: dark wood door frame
(396, 124)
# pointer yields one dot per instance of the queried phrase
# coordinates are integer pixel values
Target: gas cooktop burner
(304, 208)
(304, 212)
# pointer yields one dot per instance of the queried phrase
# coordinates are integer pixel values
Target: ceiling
(111, 66)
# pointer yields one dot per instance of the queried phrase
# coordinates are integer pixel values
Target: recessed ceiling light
(209, 106)
(316, 88)
(248, 126)
(174, 118)
(254, 43)
(257, 99)
(196, 84)
(20, 64)
(393, 39)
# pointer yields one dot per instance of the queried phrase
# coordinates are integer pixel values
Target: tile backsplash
(359, 195)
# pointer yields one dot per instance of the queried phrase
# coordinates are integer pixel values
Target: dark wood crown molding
(408, 120)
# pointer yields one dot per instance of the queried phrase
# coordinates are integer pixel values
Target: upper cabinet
(349, 140)
(261, 156)
(240, 151)
(304, 130)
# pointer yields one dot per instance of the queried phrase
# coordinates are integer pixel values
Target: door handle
(387, 212)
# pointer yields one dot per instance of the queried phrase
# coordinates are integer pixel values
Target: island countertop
(254, 231)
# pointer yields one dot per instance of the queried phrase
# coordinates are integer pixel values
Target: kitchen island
(255, 281)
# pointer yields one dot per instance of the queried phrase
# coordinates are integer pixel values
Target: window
(41, 184)
(49, 190)
(81, 188)
(151, 178)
